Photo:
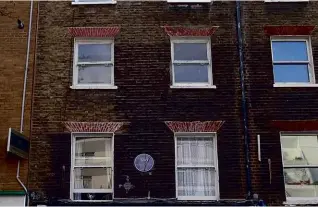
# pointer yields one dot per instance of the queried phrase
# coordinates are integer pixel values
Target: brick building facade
(145, 107)
(143, 102)
(13, 46)
(277, 108)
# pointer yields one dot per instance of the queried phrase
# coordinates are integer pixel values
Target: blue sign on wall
(18, 144)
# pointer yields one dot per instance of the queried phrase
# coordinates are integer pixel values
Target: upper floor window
(93, 64)
(196, 166)
(191, 62)
(300, 162)
(292, 61)
(92, 167)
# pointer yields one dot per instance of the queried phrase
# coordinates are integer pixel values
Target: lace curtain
(195, 166)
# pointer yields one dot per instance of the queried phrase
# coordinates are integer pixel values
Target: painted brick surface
(13, 45)
(143, 98)
(267, 103)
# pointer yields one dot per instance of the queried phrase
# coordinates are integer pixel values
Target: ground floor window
(92, 167)
(196, 166)
(300, 161)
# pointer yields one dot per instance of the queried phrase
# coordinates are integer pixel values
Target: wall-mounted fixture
(20, 24)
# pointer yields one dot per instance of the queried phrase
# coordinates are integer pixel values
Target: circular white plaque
(144, 162)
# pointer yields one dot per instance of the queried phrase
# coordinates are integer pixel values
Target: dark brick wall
(267, 103)
(13, 46)
(143, 97)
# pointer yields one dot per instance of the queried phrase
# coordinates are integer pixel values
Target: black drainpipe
(244, 107)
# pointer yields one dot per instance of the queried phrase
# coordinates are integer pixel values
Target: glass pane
(289, 141)
(93, 152)
(301, 182)
(93, 196)
(95, 74)
(304, 151)
(291, 73)
(191, 73)
(93, 178)
(289, 51)
(190, 51)
(196, 182)
(94, 52)
(195, 151)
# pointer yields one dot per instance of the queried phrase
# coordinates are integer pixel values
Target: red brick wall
(13, 44)
(267, 103)
(143, 98)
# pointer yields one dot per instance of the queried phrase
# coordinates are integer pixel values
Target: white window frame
(77, 2)
(297, 200)
(82, 41)
(189, 1)
(311, 71)
(285, 1)
(75, 135)
(194, 40)
(213, 136)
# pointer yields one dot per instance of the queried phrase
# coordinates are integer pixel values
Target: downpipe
(23, 98)
(244, 107)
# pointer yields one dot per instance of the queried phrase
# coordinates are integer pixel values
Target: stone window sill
(198, 87)
(93, 87)
(94, 2)
(286, 85)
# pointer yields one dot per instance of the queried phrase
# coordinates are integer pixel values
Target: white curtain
(78, 181)
(195, 166)
(109, 160)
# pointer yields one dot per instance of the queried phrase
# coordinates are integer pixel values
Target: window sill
(198, 87)
(94, 2)
(284, 1)
(295, 85)
(93, 87)
(197, 198)
(301, 201)
(189, 1)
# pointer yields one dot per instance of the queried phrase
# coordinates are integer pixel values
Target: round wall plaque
(144, 162)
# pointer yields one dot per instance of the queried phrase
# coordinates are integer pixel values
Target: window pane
(190, 51)
(291, 73)
(304, 151)
(94, 52)
(191, 73)
(196, 182)
(195, 151)
(93, 196)
(93, 178)
(301, 182)
(94, 74)
(289, 51)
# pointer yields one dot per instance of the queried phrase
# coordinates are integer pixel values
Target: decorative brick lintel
(295, 125)
(179, 31)
(93, 31)
(195, 126)
(93, 126)
(289, 30)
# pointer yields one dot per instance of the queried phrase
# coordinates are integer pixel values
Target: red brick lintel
(179, 31)
(289, 30)
(195, 126)
(93, 126)
(93, 31)
(295, 125)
